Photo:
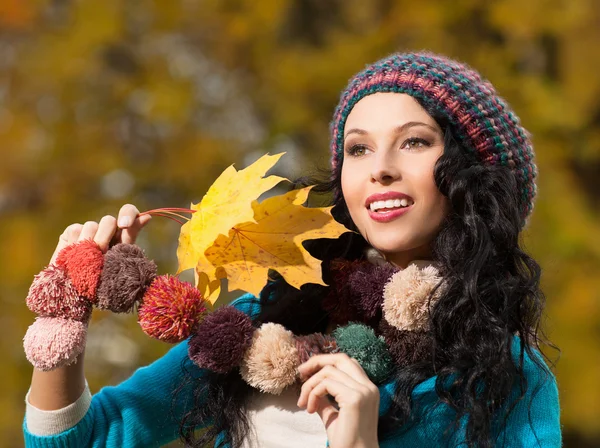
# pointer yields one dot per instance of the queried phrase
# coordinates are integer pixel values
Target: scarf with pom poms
(381, 313)
(396, 302)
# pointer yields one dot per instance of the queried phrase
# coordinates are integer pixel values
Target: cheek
(349, 188)
(434, 204)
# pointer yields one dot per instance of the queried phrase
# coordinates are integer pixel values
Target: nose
(385, 169)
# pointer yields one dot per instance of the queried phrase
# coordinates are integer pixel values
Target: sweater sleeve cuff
(49, 423)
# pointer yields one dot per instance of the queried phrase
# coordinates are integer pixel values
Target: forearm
(58, 388)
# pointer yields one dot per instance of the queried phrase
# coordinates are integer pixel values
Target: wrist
(367, 444)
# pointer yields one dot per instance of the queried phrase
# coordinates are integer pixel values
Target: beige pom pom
(271, 361)
(405, 297)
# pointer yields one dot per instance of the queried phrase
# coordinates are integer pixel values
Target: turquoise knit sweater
(141, 411)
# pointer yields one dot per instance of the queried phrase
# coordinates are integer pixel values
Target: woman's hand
(109, 229)
(353, 422)
(59, 388)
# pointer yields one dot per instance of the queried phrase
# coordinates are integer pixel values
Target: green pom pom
(360, 342)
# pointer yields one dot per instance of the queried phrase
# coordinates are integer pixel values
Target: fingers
(88, 231)
(312, 391)
(127, 215)
(318, 401)
(339, 360)
(130, 223)
(100, 232)
(69, 236)
(107, 227)
(340, 377)
(123, 229)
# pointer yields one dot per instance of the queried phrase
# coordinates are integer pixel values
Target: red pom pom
(52, 294)
(83, 262)
(170, 309)
(52, 342)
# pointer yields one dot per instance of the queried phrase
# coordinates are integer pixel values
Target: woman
(434, 171)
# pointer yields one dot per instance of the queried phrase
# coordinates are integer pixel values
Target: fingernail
(124, 221)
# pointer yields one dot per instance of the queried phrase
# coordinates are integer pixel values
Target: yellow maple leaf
(226, 203)
(273, 241)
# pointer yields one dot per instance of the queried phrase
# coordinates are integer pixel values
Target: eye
(414, 143)
(357, 150)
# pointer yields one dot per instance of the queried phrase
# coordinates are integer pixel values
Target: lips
(389, 205)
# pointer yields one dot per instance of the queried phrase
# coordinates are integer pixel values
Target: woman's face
(391, 145)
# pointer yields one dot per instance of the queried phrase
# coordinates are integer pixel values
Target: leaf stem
(171, 213)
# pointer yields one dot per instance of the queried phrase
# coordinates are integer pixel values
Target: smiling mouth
(389, 205)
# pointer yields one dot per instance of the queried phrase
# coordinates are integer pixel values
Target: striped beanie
(482, 122)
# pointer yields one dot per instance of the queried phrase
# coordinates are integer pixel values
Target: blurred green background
(104, 102)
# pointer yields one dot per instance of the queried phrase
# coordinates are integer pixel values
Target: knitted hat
(481, 121)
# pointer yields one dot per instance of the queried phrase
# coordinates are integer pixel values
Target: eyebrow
(397, 130)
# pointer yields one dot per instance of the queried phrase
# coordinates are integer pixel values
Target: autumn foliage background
(104, 102)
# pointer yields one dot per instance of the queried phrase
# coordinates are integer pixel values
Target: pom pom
(360, 342)
(406, 347)
(366, 283)
(52, 342)
(271, 361)
(357, 291)
(405, 297)
(126, 275)
(314, 344)
(170, 309)
(338, 303)
(53, 295)
(221, 339)
(83, 262)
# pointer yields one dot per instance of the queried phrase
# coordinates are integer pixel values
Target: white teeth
(390, 203)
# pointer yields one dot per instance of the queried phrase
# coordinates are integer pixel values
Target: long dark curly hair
(492, 293)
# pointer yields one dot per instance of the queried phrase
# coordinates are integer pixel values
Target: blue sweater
(141, 411)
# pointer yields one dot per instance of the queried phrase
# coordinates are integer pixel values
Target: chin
(393, 246)
(393, 243)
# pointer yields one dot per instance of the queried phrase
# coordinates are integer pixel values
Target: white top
(276, 421)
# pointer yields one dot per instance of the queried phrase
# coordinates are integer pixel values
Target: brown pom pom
(406, 347)
(314, 344)
(126, 275)
(338, 303)
(366, 283)
(221, 339)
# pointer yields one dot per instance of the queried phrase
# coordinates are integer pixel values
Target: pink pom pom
(52, 342)
(170, 309)
(83, 262)
(53, 295)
